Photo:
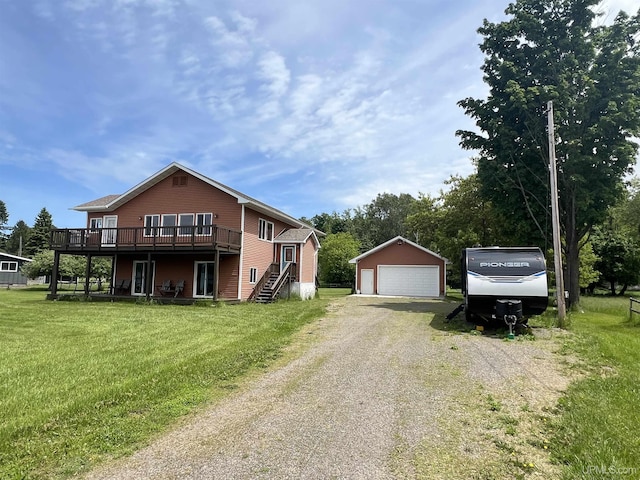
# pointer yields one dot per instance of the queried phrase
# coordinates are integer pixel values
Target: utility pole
(555, 219)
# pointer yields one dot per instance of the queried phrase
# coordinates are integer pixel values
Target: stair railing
(286, 274)
(271, 269)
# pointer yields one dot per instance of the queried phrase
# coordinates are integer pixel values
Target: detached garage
(401, 268)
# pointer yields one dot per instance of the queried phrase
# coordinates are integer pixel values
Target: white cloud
(274, 71)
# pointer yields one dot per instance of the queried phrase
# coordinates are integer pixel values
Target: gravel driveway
(380, 388)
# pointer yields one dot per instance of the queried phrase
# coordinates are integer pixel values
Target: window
(185, 220)
(265, 230)
(95, 224)
(203, 222)
(253, 275)
(151, 224)
(168, 222)
(8, 266)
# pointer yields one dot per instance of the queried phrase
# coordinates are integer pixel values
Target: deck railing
(145, 238)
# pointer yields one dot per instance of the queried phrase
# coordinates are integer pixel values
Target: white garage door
(408, 281)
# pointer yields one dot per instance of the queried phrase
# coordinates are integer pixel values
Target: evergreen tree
(4, 220)
(18, 238)
(39, 238)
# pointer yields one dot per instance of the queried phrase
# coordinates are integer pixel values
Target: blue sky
(310, 106)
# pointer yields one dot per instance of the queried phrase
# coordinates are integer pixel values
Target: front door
(287, 255)
(109, 230)
(139, 279)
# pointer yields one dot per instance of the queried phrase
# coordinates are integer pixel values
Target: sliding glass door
(204, 279)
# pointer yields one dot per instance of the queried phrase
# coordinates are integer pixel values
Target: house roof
(98, 203)
(392, 241)
(111, 202)
(3, 254)
(296, 235)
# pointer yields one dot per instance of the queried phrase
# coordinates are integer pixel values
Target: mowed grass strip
(85, 381)
(596, 435)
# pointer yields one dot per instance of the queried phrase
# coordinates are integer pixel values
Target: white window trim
(5, 266)
(151, 227)
(171, 227)
(190, 227)
(95, 224)
(195, 278)
(204, 227)
(253, 275)
(263, 230)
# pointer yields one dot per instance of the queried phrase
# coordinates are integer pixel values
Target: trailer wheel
(468, 316)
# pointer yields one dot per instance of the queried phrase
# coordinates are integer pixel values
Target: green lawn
(597, 433)
(84, 381)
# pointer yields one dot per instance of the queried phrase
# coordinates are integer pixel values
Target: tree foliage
(331, 222)
(4, 221)
(618, 259)
(18, 238)
(589, 274)
(382, 219)
(333, 258)
(39, 238)
(551, 50)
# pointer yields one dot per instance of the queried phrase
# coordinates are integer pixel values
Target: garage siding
(409, 281)
(403, 254)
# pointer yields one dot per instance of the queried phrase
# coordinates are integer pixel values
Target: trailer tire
(468, 316)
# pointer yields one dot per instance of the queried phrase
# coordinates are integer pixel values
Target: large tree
(382, 219)
(18, 238)
(553, 50)
(39, 237)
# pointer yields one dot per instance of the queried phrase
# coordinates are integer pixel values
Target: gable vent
(180, 181)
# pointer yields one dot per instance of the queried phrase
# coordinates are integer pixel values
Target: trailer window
(505, 263)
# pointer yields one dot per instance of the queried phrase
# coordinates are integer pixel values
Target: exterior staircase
(266, 295)
(269, 286)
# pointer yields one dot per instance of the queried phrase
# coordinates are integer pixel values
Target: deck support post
(112, 283)
(54, 273)
(216, 275)
(87, 274)
(149, 277)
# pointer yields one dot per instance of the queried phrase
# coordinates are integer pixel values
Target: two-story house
(181, 234)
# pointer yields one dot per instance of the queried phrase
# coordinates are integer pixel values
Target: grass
(596, 433)
(81, 382)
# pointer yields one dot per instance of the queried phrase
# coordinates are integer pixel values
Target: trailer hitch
(510, 310)
(511, 320)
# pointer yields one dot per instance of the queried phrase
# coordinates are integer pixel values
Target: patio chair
(165, 288)
(179, 288)
(122, 286)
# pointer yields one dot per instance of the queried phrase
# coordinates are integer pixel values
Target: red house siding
(258, 253)
(403, 254)
(164, 198)
(308, 262)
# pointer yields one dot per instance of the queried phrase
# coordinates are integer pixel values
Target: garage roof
(396, 240)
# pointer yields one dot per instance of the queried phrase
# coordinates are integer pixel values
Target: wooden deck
(145, 239)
